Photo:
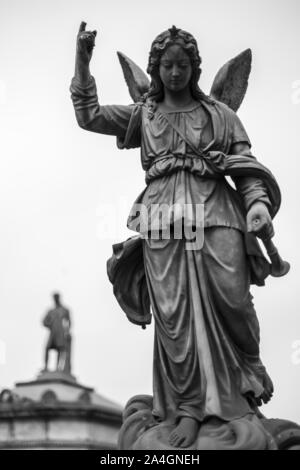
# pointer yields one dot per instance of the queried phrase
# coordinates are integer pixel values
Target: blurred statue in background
(59, 323)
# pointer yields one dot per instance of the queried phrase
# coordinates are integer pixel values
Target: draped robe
(206, 346)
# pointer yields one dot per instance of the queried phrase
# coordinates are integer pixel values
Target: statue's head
(176, 39)
(56, 298)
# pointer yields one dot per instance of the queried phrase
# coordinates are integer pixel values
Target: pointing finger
(82, 26)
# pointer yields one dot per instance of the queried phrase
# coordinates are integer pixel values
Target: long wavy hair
(188, 43)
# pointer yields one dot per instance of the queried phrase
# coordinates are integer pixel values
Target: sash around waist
(216, 164)
(211, 165)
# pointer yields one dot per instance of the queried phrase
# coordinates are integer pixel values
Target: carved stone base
(50, 376)
(141, 431)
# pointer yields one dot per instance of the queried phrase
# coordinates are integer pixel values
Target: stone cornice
(59, 410)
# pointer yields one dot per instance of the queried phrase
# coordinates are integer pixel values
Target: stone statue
(59, 323)
(208, 377)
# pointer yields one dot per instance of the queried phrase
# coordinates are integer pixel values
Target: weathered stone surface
(137, 81)
(140, 431)
(231, 82)
(208, 377)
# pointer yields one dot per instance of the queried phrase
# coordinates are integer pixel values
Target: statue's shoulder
(50, 312)
(149, 108)
(48, 317)
(223, 111)
(223, 107)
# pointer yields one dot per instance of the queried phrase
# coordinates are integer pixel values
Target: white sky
(55, 178)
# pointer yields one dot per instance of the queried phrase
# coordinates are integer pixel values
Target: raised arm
(111, 120)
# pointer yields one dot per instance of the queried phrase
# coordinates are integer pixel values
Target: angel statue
(208, 377)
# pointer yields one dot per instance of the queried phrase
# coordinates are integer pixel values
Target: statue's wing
(137, 81)
(231, 82)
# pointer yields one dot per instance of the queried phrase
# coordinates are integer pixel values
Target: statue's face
(175, 68)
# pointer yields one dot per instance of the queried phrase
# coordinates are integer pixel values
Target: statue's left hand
(259, 221)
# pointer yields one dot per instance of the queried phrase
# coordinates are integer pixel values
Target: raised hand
(85, 43)
(84, 51)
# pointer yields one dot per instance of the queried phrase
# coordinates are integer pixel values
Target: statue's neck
(177, 99)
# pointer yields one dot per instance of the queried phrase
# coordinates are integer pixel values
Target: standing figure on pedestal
(208, 377)
(59, 323)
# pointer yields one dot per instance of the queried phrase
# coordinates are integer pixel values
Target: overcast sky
(56, 179)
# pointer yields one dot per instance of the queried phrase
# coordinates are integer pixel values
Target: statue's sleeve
(112, 119)
(250, 188)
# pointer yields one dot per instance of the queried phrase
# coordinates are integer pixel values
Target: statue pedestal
(54, 376)
(141, 431)
(54, 386)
